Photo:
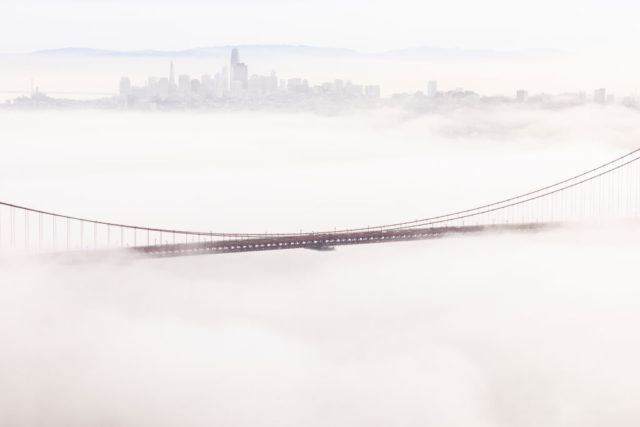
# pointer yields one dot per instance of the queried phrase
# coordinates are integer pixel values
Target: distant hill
(208, 51)
(452, 54)
(417, 53)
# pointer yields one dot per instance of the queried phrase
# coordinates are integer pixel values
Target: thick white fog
(491, 330)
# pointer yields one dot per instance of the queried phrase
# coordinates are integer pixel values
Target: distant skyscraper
(184, 84)
(241, 75)
(152, 86)
(172, 80)
(239, 72)
(600, 96)
(432, 88)
(222, 82)
(273, 82)
(163, 88)
(125, 86)
(235, 58)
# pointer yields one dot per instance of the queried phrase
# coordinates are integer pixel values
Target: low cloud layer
(496, 330)
(493, 330)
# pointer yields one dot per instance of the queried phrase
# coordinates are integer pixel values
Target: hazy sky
(368, 25)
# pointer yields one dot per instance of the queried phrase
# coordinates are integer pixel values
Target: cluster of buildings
(600, 96)
(233, 88)
(233, 82)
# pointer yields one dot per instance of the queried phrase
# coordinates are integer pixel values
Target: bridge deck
(324, 241)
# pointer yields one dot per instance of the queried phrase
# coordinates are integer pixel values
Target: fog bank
(489, 330)
(495, 330)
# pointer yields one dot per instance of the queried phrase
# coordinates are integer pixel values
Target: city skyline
(87, 71)
(235, 79)
(232, 82)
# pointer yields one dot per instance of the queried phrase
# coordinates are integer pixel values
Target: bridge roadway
(326, 241)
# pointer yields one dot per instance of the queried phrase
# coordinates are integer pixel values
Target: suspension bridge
(610, 191)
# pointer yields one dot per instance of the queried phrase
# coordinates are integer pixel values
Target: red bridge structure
(609, 191)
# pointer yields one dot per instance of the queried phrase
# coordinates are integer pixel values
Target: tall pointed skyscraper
(238, 73)
(235, 57)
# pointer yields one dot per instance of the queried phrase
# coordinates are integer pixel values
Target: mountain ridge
(420, 52)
